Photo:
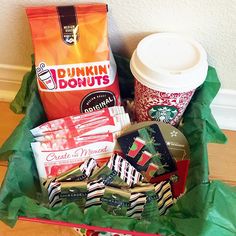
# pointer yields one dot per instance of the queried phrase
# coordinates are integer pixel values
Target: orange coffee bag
(75, 68)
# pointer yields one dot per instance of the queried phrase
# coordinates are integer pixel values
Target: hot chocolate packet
(115, 201)
(69, 121)
(97, 126)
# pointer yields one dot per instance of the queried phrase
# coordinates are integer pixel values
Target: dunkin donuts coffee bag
(75, 69)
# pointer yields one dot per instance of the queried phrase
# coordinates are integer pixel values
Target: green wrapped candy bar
(74, 192)
(115, 201)
(61, 193)
(138, 200)
(151, 207)
(79, 173)
(108, 176)
(74, 174)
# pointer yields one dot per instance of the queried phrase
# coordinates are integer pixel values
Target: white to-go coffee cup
(167, 68)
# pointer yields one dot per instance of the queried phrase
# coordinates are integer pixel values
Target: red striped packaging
(98, 125)
(69, 121)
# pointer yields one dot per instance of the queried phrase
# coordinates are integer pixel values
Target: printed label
(97, 100)
(58, 162)
(69, 26)
(59, 78)
(163, 113)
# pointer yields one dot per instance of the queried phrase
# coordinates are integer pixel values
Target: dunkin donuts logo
(45, 77)
(74, 76)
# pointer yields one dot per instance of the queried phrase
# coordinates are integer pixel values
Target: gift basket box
(201, 210)
(77, 160)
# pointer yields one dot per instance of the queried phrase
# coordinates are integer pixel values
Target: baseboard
(223, 106)
(224, 109)
(10, 80)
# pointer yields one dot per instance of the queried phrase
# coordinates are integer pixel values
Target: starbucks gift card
(146, 150)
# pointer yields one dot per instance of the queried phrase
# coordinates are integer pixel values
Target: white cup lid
(169, 60)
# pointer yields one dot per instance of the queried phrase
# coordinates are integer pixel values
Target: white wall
(211, 22)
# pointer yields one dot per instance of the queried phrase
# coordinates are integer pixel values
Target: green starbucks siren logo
(163, 113)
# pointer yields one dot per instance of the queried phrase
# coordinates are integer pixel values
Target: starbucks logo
(163, 113)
